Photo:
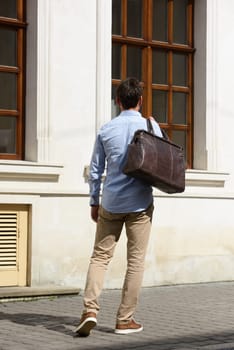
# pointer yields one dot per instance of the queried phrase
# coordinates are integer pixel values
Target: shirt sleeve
(97, 167)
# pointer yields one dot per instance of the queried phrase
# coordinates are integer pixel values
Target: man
(125, 201)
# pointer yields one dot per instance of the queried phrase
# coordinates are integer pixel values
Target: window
(12, 56)
(153, 41)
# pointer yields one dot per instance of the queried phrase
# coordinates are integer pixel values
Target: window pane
(8, 91)
(159, 67)
(180, 21)
(134, 62)
(180, 69)
(115, 110)
(179, 137)
(134, 18)
(116, 17)
(8, 8)
(159, 108)
(116, 61)
(8, 42)
(7, 134)
(160, 20)
(179, 107)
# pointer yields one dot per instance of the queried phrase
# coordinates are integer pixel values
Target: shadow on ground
(222, 340)
(52, 323)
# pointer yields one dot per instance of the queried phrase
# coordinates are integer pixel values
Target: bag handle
(151, 129)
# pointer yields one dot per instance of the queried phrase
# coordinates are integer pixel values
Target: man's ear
(117, 100)
(140, 101)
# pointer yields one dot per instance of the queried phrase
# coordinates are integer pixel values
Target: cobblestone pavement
(199, 316)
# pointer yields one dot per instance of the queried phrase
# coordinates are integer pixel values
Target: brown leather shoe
(128, 327)
(87, 322)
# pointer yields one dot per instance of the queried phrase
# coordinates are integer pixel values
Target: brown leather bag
(156, 161)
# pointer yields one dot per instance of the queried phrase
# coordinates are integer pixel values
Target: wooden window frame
(148, 44)
(20, 25)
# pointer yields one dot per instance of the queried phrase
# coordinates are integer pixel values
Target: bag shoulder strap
(151, 129)
(164, 134)
(150, 126)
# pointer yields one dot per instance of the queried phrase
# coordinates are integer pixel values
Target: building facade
(46, 234)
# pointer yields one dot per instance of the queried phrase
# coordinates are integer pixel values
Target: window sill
(198, 178)
(29, 171)
(203, 178)
(202, 184)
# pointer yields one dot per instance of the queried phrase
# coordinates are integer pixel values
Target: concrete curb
(28, 293)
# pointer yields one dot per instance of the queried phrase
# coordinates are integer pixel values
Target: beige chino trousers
(109, 228)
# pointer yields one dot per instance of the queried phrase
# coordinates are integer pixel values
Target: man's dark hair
(129, 92)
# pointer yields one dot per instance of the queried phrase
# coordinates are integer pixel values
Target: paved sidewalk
(177, 317)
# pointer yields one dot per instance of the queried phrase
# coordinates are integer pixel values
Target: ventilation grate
(8, 239)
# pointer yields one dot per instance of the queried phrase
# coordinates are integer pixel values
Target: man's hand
(94, 212)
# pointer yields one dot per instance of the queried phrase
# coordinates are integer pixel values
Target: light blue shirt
(120, 193)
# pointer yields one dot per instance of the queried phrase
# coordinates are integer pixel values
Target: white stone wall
(68, 98)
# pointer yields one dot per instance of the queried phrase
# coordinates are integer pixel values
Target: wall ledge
(203, 178)
(29, 171)
(202, 184)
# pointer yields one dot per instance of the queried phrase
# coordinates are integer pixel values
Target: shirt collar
(128, 112)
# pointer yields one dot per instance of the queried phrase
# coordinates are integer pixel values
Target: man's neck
(135, 109)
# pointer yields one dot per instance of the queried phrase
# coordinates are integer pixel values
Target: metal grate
(8, 239)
